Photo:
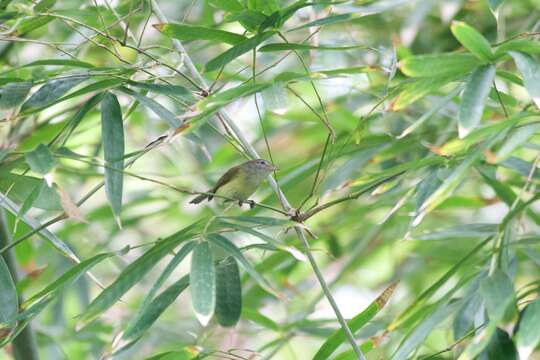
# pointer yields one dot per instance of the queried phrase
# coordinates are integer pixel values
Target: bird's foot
(251, 203)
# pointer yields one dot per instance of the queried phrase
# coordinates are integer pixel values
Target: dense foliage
(402, 223)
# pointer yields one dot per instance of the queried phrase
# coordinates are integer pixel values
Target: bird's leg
(240, 203)
(251, 203)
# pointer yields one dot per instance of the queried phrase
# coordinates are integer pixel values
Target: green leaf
(202, 278)
(164, 89)
(237, 50)
(156, 107)
(67, 279)
(438, 65)
(112, 133)
(44, 5)
(132, 274)
(530, 69)
(41, 160)
(32, 23)
(72, 124)
(521, 45)
(498, 293)
(474, 99)
(13, 94)
(332, 19)
(228, 292)
(355, 324)
(214, 102)
(293, 46)
(31, 198)
(419, 333)
(227, 5)
(421, 87)
(249, 19)
(500, 347)
(233, 250)
(52, 90)
(528, 335)
(8, 295)
(60, 62)
(157, 307)
(132, 329)
(472, 40)
(184, 354)
(191, 32)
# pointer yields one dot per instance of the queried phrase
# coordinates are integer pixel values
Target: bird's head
(261, 165)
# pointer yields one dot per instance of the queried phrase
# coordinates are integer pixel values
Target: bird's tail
(199, 199)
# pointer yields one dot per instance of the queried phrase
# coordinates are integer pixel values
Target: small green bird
(240, 182)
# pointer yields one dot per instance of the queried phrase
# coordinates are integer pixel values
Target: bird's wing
(225, 178)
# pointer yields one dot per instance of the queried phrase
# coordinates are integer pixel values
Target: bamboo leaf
(13, 94)
(528, 334)
(51, 91)
(438, 65)
(66, 279)
(355, 324)
(474, 99)
(8, 298)
(233, 250)
(422, 330)
(530, 69)
(202, 278)
(132, 274)
(237, 50)
(498, 293)
(156, 108)
(112, 133)
(132, 329)
(472, 40)
(154, 310)
(228, 292)
(41, 160)
(191, 32)
(293, 46)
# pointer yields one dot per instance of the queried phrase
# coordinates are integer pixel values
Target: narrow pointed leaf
(112, 133)
(157, 307)
(132, 327)
(438, 65)
(472, 40)
(191, 32)
(528, 336)
(237, 50)
(530, 69)
(355, 324)
(132, 274)
(8, 298)
(51, 91)
(474, 99)
(233, 250)
(156, 108)
(13, 94)
(228, 292)
(41, 160)
(202, 278)
(498, 293)
(293, 46)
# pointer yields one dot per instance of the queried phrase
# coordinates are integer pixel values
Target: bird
(239, 182)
